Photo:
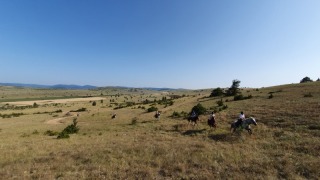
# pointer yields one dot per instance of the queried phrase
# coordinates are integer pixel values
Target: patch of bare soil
(62, 101)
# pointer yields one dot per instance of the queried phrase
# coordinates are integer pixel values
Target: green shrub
(238, 97)
(220, 103)
(152, 109)
(216, 92)
(94, 103)
(63, 135)
(71, 129)
(35, 132)
(176, 114)
(51, 133)
(35, 105)
(79, 110)
(198, 109)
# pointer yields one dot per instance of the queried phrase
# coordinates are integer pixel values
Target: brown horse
(194, 120)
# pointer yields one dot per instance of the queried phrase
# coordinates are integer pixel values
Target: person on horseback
(211, 117)
(193, 114)
(157, 115)
(240, 119)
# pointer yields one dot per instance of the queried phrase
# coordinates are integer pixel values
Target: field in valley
(285, 144)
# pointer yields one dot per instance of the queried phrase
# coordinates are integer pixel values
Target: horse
(114, 116)
(194, 120)
(245, 124)
(157, 116)
(212, 123)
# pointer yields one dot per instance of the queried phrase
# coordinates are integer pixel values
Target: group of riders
(238, 123)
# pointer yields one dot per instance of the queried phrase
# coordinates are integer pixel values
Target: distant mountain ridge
(58, 86)
(85, 87)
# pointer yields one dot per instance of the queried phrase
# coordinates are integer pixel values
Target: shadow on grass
(194, 132)
(225, 137)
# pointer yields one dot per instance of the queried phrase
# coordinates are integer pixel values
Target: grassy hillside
(284, 145)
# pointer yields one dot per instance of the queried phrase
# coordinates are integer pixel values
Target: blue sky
(159, 43)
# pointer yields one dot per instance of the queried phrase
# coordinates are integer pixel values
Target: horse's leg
(249, 130)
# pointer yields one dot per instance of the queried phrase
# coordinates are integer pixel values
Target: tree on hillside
(306, 79)
(216, 92)
(318, 79)
(234, 89)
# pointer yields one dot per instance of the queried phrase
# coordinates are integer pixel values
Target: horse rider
(157, 115)
(212, 116)
(193, 114)
(240, 119)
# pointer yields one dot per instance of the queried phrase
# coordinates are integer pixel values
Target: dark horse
(245, 125)
(194, 120)
(212, 123)
(157, 116)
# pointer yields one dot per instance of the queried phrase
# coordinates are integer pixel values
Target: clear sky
(159, 43)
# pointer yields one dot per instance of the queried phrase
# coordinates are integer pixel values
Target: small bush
(224, 107)
(71, 129)
(51, 133)
(134, 121)
(35, 132)
(220, 103)
(152, 109)
(241, 97)
(238, 97)
(79, 110)
(35, 105)
(63, 135)
(94, 103)
(176, 114)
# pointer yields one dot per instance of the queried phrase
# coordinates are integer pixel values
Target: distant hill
(64, 86)
(58, 86)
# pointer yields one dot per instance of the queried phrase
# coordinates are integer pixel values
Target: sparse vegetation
(11, 115)
(284, 145)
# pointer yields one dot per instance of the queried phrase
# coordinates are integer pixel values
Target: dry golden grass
(284, 145)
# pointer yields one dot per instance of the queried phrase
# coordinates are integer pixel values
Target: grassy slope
(285, 144)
